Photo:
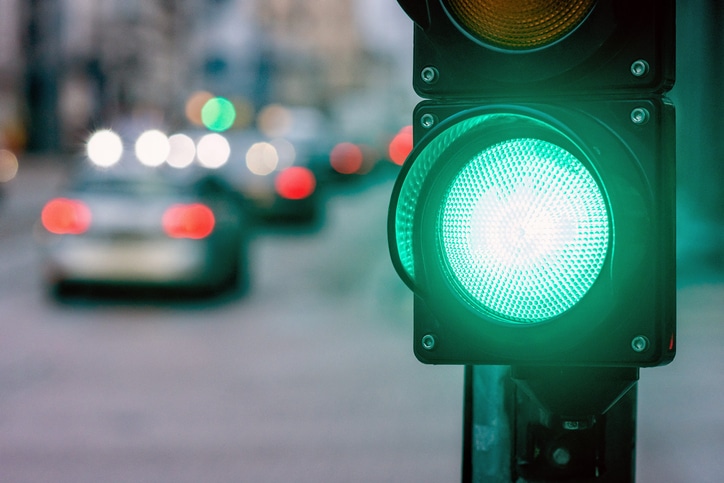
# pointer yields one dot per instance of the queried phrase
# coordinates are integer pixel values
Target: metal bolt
(640, 343)
(561, 456)
(640, 68)
(640, 116)
(429, 75)
(428, 342)
(428, 120)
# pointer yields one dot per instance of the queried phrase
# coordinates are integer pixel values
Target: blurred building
(68, 65)
(316, 48)
(11, 72)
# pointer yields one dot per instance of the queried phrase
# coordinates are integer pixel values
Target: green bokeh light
(218, 114)
(524, 230)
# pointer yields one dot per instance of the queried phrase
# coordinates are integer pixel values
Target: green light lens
(413, 182)
(524, 230)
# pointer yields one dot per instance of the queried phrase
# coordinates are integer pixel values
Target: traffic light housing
(473, 49)
(534, 218)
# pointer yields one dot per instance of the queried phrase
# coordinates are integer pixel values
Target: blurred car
(145, 229)
(280, 177)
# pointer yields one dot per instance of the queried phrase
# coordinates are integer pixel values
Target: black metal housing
(635, 293)
(598, 55)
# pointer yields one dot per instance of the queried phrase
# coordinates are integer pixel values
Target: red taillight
(401, 145)
(194, 221)
(346, 158)
(295, 183)
(64, 216)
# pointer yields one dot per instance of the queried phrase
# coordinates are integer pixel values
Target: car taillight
(346, 158)
(400, 145)
(64, 216)
(295, 183)
(194, 221)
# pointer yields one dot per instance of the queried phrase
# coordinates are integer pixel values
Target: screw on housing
(428, 120)
(429, 75)
(640, 116)
(640, 68)
(640, 343)
(428, 342)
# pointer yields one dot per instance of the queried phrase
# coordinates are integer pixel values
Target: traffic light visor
(520, 224)
(519, 24)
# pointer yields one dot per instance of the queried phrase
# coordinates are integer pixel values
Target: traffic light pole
(488, 418)
(518, 429)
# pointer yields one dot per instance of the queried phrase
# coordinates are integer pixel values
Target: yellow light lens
(519, 24)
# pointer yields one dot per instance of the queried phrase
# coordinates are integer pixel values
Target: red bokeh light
(195, 221)
(295, 183)
(346, 158)
(64, 216)
(401, 145)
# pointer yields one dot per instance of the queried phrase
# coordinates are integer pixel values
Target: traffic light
(534, 217)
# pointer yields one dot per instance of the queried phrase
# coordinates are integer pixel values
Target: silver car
(150, 230)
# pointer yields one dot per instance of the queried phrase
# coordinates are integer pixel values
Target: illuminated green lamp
(521, 227)
(524, 230)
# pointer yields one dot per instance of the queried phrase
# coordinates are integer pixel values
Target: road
(309, 377)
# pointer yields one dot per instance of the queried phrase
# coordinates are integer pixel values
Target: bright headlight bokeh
(152, 148)
(182, 151)
(262, 158)
(213, 151)
(104, 148)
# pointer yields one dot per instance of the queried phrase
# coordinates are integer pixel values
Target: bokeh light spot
(275, 121)
(152, 148)
(8, 165)
(104, 148)
(401, 145)
(262, 158)
(213, 151)
(295, 183)
(346, 158)
(182, 151)
(194, 104)
(63, 216)
(218, 114)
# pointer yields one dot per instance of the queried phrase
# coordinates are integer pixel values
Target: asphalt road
(310, 377)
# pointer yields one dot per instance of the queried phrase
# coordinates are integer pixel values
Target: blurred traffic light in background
(534, 217)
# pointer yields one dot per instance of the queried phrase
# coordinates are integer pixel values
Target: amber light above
(519, 24)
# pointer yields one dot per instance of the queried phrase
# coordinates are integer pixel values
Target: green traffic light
(523, 230)
(521, 224)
